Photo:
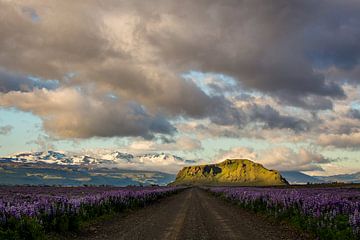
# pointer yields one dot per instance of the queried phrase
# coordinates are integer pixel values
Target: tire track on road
(225, 230)
(174, 230)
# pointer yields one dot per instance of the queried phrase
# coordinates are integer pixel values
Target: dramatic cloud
(4, 130)
(272, 47)
(139, 51)
(69, 113)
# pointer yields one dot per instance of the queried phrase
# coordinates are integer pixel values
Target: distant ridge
(110, 159)
(346, 178)
(296, 177)
(69, 169)
(229, 172)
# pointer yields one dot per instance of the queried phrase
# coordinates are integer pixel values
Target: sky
(274, 81)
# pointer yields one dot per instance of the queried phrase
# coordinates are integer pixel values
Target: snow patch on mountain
(152, 161)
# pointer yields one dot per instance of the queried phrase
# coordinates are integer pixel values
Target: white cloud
(182, 143)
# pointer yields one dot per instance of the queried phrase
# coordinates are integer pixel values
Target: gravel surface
(191, 214)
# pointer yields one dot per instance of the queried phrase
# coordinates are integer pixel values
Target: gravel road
(191, 214)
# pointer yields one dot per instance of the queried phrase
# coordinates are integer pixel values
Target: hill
(346, 178)
(229, 172)
(295, 177)
(50, 174)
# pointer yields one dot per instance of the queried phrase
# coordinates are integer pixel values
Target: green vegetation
(229, 172)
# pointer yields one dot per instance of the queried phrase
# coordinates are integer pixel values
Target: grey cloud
(166, 140)
(223, 112)
(271, 46)
(67, 38)
(347, 141)
(4, 130)
(264, 44)
(68, 113)
(354, 113)
(139, 50)
(273, 119)
(339, 123)
(16, 82)
(310, 102)
(163, 92)
(339, 24)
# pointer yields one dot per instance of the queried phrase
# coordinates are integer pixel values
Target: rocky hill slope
(229, 172)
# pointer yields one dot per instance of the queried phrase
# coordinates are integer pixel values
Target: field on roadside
(327, 212)
(32, 212)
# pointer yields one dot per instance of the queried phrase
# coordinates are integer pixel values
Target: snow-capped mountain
(161, 158)
(157, 162)
(50, 157)
(70, 169)
(33, 157)
(118, 156)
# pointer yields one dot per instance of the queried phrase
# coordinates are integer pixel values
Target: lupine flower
(46, 203)
(322, 204)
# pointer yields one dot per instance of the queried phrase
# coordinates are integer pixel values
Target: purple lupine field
(59, 209)
(332, 213)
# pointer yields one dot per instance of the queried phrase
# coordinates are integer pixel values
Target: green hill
(240, 172)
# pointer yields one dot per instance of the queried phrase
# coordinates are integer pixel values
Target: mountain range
(350, 178)
(112, 159)
(114, 168)
(61, 168)
(295, 177)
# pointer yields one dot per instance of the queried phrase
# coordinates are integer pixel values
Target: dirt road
(191, 214)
